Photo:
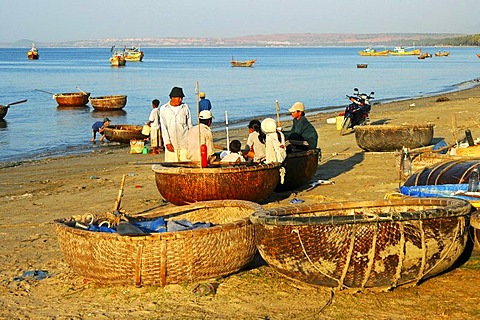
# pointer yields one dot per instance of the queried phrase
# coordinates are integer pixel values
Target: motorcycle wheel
(345, 125)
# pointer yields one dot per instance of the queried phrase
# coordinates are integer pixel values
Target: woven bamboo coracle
(363, 245)
(300, 167)
(448, 172)
(169, 257)
(393, 137)
(181, 185)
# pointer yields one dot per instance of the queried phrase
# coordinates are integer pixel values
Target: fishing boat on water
(109, 103)
(72, 99)
(133, 54)
(32, 54)
(441, 53)
(401, 51)
(370, 52)
(247, 63)
(185, 182)
(117, 59)
(424, 55)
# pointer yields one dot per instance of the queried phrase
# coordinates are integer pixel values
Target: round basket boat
(72, 99)
(183, 185)
(372, 244)
(107, 103)
(168, 257)
(393, 137)
(300, 167)
(448, 172)
(123, 133)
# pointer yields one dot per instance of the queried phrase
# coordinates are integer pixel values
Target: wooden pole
(120, 194)
(454, 127)
(197, 92)
(277, 109)
(226, 129)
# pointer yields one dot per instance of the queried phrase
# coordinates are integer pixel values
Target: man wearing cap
(155, 132)
(206, 137)
(175, 121)
(99, 127)
(204, 103)
(302, 129)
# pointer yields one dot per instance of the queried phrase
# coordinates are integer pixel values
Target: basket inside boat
(169, 257)
(363, 245)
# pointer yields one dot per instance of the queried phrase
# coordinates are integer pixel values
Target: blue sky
(62, 20)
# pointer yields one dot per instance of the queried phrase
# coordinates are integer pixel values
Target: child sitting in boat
(275, 150)
(255, 147)
(235, 154)
(99, 127)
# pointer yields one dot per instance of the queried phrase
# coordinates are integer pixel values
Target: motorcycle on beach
(357, 112)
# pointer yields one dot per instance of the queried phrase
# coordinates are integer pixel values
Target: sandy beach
(33, 194)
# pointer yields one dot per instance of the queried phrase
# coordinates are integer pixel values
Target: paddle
(45, 91)
(16, 102)
(277, 109)
(124, 228)
(82, 91)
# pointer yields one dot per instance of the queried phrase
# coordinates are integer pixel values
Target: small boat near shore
(72, 99)
(370, 52)
(223, 245)
(382, 138)
(109, 103)
(424, 55)
(300, 167)
(123, 133)
(376, 245)
(133, 54)
(362, 65)
(247, 63)
(32, 54)
(4, 109)
(185, 182)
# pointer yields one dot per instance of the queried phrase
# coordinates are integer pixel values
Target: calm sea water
(320, 77)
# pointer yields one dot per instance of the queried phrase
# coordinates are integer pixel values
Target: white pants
(176, 155)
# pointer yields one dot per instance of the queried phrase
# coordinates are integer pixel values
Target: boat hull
(3, 111)
(374, 54)
(300, 167)
(106, 103)
(449, 172)
(393, 137)
(362, 245)
(248, 63)
(32, 55)
(75, 99)
(123, 133)
(181, 185)
(163, 258)
(117, 61)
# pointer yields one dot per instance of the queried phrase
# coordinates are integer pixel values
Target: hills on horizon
(272, 40)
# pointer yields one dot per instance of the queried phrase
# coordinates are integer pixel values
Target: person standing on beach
(155, 132)
(206, 137)
(99, 127)
(175, 121)
(302, 129)
(204, 103)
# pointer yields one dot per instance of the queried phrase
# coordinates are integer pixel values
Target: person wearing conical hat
(302, 130)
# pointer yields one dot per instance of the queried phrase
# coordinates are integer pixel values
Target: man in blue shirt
(99, 127)
(204, 103)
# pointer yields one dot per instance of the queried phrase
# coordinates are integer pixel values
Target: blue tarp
(441, 190)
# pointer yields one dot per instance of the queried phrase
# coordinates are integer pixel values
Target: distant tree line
(470, 40)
